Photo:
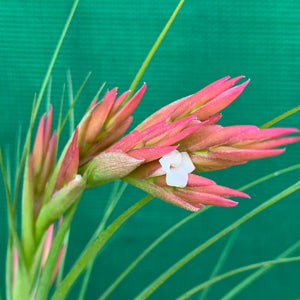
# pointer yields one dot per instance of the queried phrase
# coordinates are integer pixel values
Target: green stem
(8, 268)
(269, 176)
(54, 57)
(248, 280)
(72, 104)
(122, 276)
(221, 261)
(113, 286)
(40, 96)
(44, 283)
(234, 272)
(92, 251)
(281, 117)
(114, 198)
(172, 270)
(28, 241)
(11, 218)
(152, 51)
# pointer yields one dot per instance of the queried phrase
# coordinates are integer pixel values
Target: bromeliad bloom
(105, 122)
(186, 131)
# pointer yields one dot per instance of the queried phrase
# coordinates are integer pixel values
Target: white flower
(177, 166)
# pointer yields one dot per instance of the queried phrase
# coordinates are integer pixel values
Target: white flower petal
(177, 166)
(186, 163)
(172, 159)
(178, 179)
(165, 163)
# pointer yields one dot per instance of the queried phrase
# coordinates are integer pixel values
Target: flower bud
(109, 166)
(59, 203)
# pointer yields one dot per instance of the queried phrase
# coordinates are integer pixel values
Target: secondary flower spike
(206, 146)
(105, 122)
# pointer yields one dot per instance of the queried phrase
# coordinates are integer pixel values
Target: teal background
(208, 40)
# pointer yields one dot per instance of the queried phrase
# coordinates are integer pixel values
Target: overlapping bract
(97, 154)
(185, 130)
(189, 125)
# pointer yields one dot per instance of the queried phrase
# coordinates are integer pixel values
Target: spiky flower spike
(189, 124)
(42, 160)
(105, 122)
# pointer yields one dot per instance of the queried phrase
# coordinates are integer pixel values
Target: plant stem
(147, 60)
(281, 117)
(172, 270)
(114, 198)
(234, 272)
(220, 261)
(92, 251)
(248, 280)
(44, 283)
(148, 250)
(39, 99)
(269, 176)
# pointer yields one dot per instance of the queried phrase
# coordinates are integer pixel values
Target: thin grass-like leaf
(249, 279)
(147, 60)
(8, 169)
(39, 99)
(11, 218)
(269, 176)
(60, 128)
(237, 271)
(114, 198)
(122, 276)
(153, 245)
(99, 92)
(173, 269)
(48, 99)
(61, 268)
(18, 147)
(44, 282)
(71, 102)
(71, 129)
(27, 224)
(91, 252)
(8, 269)
(54, 57)
(24, 155)
(221, 260)
(59, 122)
(281, 117)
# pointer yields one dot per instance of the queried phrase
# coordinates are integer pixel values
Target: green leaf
(115, 196)
(234, 272)
(249, 279)
(177, 266)
(153, 245)
(281, 117)
(147, 60)
(90, 253)
(44, 282)
(28, 240)
(221, 260)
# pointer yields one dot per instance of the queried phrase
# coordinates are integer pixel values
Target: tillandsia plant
(162, 156)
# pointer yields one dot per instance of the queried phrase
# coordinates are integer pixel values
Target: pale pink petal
(118, 102)
(151, 153)
(47, 131)
(38, 148)
(272, 143)
(203, 198)
(235, 154)
(99, 115)
(125, 111)
(220, 102)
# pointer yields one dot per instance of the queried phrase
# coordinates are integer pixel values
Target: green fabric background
(208, 40)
